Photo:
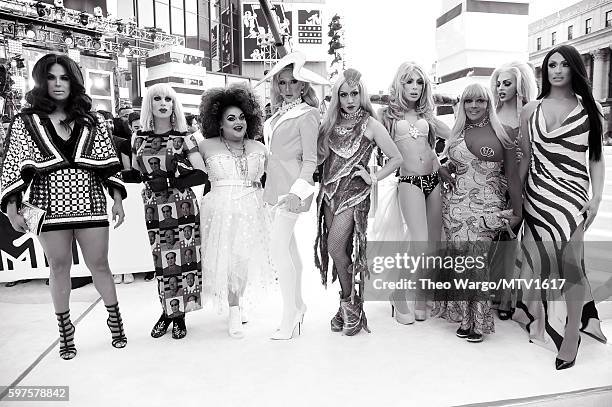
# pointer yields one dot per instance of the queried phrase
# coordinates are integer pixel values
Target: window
(178, 17)
(588, 25)
(553, 38)
(539, 44)
(570, 32)
(609, 18)
(145, 13)
(162, 16)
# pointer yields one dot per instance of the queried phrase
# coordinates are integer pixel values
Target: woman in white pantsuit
(291, 137)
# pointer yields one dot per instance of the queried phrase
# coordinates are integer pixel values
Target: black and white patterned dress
(172, 218)
(555, 192)
(66, 177)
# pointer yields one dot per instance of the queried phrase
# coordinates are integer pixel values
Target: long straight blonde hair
(473, 91)
(332, 115)
(146, 115)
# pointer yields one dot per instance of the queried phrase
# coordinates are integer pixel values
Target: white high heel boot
(235, 324)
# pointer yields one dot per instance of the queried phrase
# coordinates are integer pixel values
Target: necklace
(351, 116)
(480, 124)
(285, 107)
(241, 159)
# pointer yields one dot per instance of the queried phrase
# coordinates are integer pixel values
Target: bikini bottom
(426, 183)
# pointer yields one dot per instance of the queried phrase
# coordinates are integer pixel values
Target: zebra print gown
(555, 192)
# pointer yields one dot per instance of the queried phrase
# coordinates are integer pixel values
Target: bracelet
(373, 177)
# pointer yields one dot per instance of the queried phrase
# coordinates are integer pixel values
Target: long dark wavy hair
(582, 87)
(216, 100)
(78, 104)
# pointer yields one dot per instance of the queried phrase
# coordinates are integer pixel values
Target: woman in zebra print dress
(563, 124)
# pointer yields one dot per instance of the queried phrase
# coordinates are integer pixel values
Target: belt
(235, 183)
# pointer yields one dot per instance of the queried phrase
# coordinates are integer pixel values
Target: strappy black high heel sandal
(115, 324)
(67, 349)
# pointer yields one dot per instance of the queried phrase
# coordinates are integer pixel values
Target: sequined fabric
(341, 190)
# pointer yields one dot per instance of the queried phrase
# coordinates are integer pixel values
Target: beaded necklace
(285, 107)
(240, 159)
(480, 124)
(351, 116)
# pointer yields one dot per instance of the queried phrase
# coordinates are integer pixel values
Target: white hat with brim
(299, 71)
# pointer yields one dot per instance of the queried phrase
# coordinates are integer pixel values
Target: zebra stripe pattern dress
(555, 192)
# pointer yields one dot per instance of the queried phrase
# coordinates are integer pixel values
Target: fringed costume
(342, 191)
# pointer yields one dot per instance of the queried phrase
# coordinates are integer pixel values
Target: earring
(152, 124)
(173, 119)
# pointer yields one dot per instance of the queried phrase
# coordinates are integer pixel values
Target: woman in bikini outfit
(410, 120)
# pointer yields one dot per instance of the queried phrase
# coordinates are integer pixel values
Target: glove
(196, 177)
(158, 184)
(131, 176)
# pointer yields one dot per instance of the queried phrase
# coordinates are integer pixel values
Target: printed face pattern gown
(479, 191)
(555, 192)
(172, 220)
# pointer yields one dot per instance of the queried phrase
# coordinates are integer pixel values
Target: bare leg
(339, 239)
(434, 226)
(94, 246)
(575, 294)
(414, 212)
(57, 246)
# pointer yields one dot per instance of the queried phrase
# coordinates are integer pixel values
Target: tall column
(601, 69)
(588, 64)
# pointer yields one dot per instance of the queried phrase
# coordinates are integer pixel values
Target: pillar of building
(588, 64)
(601, 72)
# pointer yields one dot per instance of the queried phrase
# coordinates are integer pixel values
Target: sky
(382, 35)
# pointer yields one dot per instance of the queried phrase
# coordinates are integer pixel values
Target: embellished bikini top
(413, 132)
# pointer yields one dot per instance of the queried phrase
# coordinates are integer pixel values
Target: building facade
(588, 27)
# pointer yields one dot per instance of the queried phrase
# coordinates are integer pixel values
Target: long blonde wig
(146, 114)
(332, 115)
(526, 86)
(399, 104)
(474, 91)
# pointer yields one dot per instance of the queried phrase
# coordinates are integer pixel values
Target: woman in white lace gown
(234, 223)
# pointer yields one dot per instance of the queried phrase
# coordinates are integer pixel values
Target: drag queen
(64, 155)
(562, 126)
(479, 149)
(291, 137)
(235, 223)
(410, 121)
(169, 163)
(514, 85)
(349, 132)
